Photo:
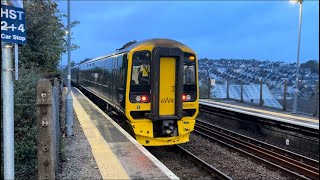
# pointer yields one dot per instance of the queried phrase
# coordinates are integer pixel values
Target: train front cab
(163, 105)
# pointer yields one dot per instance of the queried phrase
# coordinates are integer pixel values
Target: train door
(167, 86)
(167, 83)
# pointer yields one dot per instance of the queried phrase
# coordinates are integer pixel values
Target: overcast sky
(264, 30)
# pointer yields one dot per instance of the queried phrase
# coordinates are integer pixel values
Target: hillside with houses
(249, 72)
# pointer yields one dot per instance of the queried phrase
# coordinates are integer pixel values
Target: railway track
(289, 163)
(294, 129)
(210, 169)
(185, 164)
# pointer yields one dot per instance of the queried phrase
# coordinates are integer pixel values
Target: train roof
(134, 44)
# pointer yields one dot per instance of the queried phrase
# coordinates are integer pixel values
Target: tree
(45, 34)
(312, 64)
(72, 63)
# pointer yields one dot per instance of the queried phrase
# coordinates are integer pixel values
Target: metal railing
(262, 93)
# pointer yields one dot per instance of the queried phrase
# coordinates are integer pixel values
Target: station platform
(117, 154)
(268, 113)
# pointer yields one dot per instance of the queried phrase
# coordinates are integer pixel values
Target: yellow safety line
(267, 112)
(109, 166)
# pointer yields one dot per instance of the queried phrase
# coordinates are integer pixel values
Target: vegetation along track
(185, 164)
(289, 163)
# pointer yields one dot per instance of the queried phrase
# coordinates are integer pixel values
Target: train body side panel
(106, 78)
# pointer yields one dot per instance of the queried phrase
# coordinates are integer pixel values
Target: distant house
(306, 70)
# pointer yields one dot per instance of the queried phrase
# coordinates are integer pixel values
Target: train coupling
(168, 127)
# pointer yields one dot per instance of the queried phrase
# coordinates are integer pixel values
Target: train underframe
(165, 132)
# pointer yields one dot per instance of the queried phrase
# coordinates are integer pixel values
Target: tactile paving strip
(108, 164)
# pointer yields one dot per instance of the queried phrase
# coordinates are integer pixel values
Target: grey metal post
(69, 100)
(209, 87)
(241, 91)
(56, 93)
(261, 97)
(227, 89)
(8, 110)
(61, 69)
(317, 99)
(296, 92)
(285, 95)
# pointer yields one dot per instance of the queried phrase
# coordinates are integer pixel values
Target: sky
(263, 30)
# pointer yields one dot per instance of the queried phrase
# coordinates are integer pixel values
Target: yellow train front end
(162, 91)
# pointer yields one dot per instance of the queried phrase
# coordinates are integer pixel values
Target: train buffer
(115, 154)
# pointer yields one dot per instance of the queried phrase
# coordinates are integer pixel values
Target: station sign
(13, 20)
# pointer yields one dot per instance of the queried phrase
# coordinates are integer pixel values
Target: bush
(25, 124)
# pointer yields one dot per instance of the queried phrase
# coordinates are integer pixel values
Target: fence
(279, 96)
(48, 128)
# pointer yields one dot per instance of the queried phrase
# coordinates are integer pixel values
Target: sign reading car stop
(13, 21)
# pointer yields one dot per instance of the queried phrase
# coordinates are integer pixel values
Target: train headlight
(144, 98)
(192, 58)
(184, 97)
(141, 98)
(188, 97)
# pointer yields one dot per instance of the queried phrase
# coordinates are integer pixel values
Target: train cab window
(189, 76)
(140, 77)
(140, 74)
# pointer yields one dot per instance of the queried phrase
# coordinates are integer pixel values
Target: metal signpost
(12, 31)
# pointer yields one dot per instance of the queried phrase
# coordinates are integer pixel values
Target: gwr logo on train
(167, 100)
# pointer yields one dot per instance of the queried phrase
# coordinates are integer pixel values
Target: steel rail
(257, 159)
(212, 170)
(312, 163)
(260, 149)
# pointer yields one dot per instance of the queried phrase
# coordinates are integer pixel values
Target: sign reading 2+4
(13, 21)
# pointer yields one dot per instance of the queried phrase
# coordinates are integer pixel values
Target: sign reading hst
(13, 21)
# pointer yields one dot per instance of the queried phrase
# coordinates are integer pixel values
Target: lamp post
(296, 92)
(69, 100)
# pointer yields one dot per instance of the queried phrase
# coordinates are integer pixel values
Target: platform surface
(272, 114)
(117, 154)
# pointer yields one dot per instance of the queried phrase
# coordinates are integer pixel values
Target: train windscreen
(189, 77)
(140, 76)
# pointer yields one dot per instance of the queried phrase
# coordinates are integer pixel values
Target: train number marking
(167, 100)
(188, 105)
